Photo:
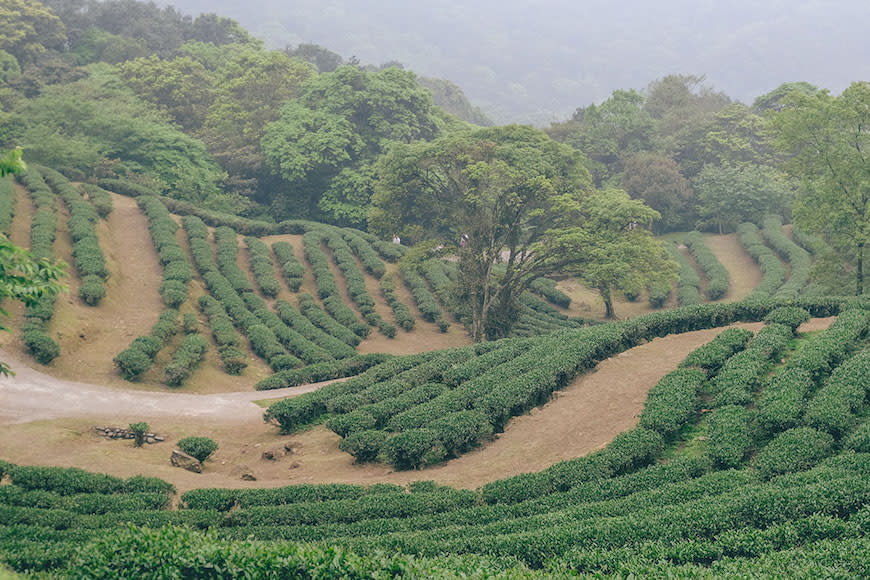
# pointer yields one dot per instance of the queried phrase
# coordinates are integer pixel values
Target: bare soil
(744, 273)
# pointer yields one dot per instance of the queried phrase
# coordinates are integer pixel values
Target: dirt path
(582, 418)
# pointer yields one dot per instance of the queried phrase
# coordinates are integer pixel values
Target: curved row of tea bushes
(43, 231)
(429, 308)
(295, 320)
(226, 253)
(773, 271)
(717, 275)
(185, 359)
(315, 314)
(293, 341)
(547, 288)
(327, 290)
(88, 257)
(401, 312)
(689, 283)
(99, 198)
(291, 269)
(319, 372)
(262, 267)
(363, 250)
(355, 282)
(224, 334)
(837, 407)
(137, 358)
(251, 320)
(659, 293)
(711, 356)
(177, 272)
(797, 257)
(434, 273)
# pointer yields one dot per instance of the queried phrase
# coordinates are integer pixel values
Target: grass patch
(691, 441)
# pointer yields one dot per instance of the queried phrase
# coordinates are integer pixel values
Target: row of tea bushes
(224, 334)
(8, 199)
(292, 270)
(137, 358)
(773, 271)
(177, 272)
(717, 275)
(689, 284)
(43, 231)
(295, 320)
(262, 267)
(797, 257)
(88, 257)
(547, 288)
(429, 308)
(401, 312)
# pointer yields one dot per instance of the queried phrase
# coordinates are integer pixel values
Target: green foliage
(797, 257)
(729, 439)
(137, 358)
(402, 314)
(414, 448)
(261, 266)
(717, 275)
(784, 399)
(689, 284)
(423, 297)
(837, 406)
(791, 316)
(139, 429)
(363, 445)
(729, 196)
(713, 355)
(318, 372)
(199, 447)
(797, 449)
(290, 266)
(772, 269)
(184, 360)
(673, 401)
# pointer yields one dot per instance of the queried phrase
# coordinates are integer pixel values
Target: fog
(537, 61)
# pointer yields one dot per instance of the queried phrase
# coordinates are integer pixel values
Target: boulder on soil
(248, 476)
(185, 461)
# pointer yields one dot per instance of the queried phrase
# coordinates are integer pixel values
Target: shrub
(41, 346)
(717, 275)
(414, 448)
(290, 266)
(729, 438)
(790, 316)
(859, 440)
(673, 401)
(139, 430)
(772, 269)
(797, 449)
(92, 290)
(363, 445)
(199, 447)
(189, 354)
(797, 257)
(689, 284)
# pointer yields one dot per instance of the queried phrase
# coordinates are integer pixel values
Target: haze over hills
(538, 61)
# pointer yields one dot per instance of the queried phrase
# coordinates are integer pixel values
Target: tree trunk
(860, 270)
(608, 302)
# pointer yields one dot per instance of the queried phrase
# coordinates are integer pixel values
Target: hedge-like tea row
(43, 230)
(790, 316)
(729, 440)
(434, 273)
(713, 355)
(837, 406)
(226, 252)
(224, 334)
(99, 198)
(291, 269)
(659, 292)
(262, 267)
(324, 371)
(289, 414)
(88, 257)
(772, 269)
(826, 351)
(7, 204)
(137, 358)
(426, 303)
(293, 341)
(401, 313)
(740, 376)
(673, 401)
(309, 308)
(327, 290)
(127, 188)
(783, 400)
(797, 257)
(186, 357)
(355, 281)
(364, 251)
(547, 288)
(68, 481)
(177, 272)
(717, 275)
(794, 450)
(294, 319)
(689, 284)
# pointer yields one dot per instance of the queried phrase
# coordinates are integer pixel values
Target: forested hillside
(536, 62)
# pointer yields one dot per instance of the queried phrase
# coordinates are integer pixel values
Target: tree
(657, 181)
(325, 143)
(828, 140)
(28, 29)
(524, 202)
(728, 196)
(617, 254)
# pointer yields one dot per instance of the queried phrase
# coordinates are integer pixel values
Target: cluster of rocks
(122, 433)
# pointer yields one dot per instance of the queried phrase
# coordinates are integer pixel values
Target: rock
(269, 455)
(288, 447)
(248, 476)
(295, 465)
(150, 440)
(185, 461)
(158, 438)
